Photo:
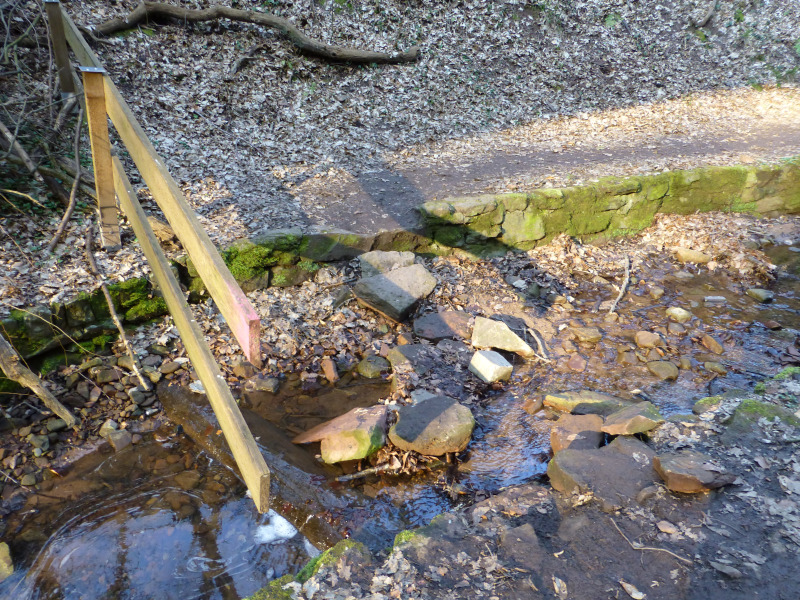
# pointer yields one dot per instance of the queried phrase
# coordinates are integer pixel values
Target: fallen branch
(73, 195)
(640, 547)
(306, 45)
(625, 283)
(12, 366)
(67, 173)
(145, 384)
(364, 473)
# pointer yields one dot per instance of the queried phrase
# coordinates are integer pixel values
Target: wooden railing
(102, 100)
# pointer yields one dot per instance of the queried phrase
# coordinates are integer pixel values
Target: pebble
(712, 344)
(678, 314)
(169, 367)
(761, 295)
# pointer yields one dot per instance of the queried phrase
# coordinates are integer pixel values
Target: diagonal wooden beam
(244, 448)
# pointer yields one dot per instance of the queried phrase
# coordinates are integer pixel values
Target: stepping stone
(589, 335)
(434, 427)
(420, 357)
(646, 339)
(488, 333)
(490, 366)
(761, 295)
(636, 418)
(444, 325)
(614, 474)
(578, 432)
(378, 261)
(690, 472)
(585, 402)
(396, 293)
(351, 436)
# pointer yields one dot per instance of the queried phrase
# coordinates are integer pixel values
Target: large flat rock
(578, 432)
(488, 333)
(448, 324)
(690, 472)
(636, 418)
(585, 402)
(396, 293)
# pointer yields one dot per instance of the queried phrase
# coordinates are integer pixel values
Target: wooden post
(94, 91)
(56, 24)
(233, 304)
(244, 448)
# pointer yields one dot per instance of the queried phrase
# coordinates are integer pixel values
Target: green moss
(450, 236)
(146, 310)
(752, 410)
(787, 373)
(706, 404)
(309, 265)
(9, 386)
(760, 388)
(331, 556)
(404, 537)
(274, 590)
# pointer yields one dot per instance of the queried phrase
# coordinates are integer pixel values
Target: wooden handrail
(233, 304)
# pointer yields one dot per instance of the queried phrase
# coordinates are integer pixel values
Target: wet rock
(715, 367)
(39, 441)
(676, 329)
(490, 366)
(687, 255)
(761, 295)
(351, 436)
(372, 367)
(259, 383)
(119, 439)
(712, 344)
(169, 367)
(744, 421)
(488, 333)
(6, 564)
(395, 294)
(137, 395)
(656, 292)
(727, 570)
(647, 339)
(329, 369)
(54, 425)
(576, 363)
(444, 325)
(715, 300)
(685, 363)
(187, 480)
(707, 404)
(678, 314)
(633, 419)
(627, 357)
(434, 427)
(585, 402)
(690, 472)
(521, 545)
(378, 261)
(615, 474)
(578, 432)
(588, 335)
(244, 369)
(28, 480)
(663, 369)
(107, 427)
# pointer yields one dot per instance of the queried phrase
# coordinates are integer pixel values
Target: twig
(542, 348)
(23, 195)
(364, 473)
(73, 195)
(145, 384)
(625, 283)
(640, 547)
(12, 366)
(64, 114)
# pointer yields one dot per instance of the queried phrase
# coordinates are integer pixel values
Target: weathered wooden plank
(95, 94)
(231, 301)
(245, 451)
(59, 46)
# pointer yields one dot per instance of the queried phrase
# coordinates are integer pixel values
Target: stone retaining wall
(476, 226)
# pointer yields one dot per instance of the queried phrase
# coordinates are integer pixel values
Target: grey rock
(259, 383)
(444, 325)
(169, 367)
(126, 362)
(54, 425)
(395, 294)
(633, 419)
(137, 395)
(434, 427)
(585, 402)
(28, 480)
(379, 261)
(39, 441)
(79, 312)
(119, 439)
(521, 545)
(761, 295)
(488, 333)
(419, 357)
(107, 427)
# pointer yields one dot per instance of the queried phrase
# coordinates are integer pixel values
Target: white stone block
(490, 366)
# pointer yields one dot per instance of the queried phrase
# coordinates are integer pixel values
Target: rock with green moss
(334, 245)
(275, 590)
(79, 311)
(346, 550)
(707, 404)
(745, 419)
(287, 276)
(521, 229)
(787, 373)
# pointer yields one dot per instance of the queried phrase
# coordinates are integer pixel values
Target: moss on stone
(452, 236)
(752, 410)
(404, 537)
(760, 388)
(787, 373)
(706, 404)
(330, 557)
(274, 590)
(9, 386)
(146, 310)
(520, 228)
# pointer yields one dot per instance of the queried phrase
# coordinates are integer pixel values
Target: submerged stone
(589, 335)
(372, 367)
(6, 564)
(488, 333)
(678, 314)
(690, 472)
(663, 369)
(633, 419)
(647, 339)
(577, 432)
(712, 344)
(761, 295)
(434, 427)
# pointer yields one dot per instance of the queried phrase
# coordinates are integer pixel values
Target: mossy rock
(452, 236)
(147, 310)
(197, 290)
(332, 556)
(745, 419)
(520, 229)
(286, 276)
(787, 373)
(705, 189)
(274, 590)
(706, 404)
(334, 245)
